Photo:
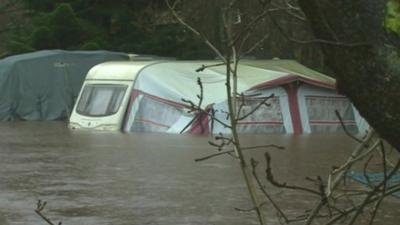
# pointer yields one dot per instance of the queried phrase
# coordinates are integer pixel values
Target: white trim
(132, 113)
(362, 124)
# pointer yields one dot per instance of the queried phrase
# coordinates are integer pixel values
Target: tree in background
(361, 45)
(130, 26)
(146, 27)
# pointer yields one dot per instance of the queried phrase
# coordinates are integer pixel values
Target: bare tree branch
(194, 31)
(263, 102)
(385, 177)
(271, 179)
(254, 163)
(232, 151)
(313, 41)
(256, 45)
(345, 128)
(39, 208)
(374, 192)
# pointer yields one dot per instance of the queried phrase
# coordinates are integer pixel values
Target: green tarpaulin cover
(44, 85)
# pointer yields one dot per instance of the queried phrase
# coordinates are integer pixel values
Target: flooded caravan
(148, 97)
(104, 96)
(44, 85)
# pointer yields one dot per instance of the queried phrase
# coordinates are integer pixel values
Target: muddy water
(137, 179)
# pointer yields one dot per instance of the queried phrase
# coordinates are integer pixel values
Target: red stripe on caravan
(136, 93)
(261, 122)
(324, 97)
(162, 100)
(292, 78)
(140, 120)
(198, 127)
(328, 122)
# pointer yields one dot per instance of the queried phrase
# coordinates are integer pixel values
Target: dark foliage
(128, 26)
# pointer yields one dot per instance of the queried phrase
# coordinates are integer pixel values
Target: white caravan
(104, 97)
(147, 96)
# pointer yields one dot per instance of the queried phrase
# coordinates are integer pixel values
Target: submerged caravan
(152, 96)
(44, 85)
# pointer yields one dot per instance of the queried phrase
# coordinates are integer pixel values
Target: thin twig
(195, 107)
(271, 179)
(346, 212)
(340, 174)
(249, 27)
(289, 10)
(254, 163)
(314, 41)
(256, 45)
(345, 128)
(388, 162)
(199, 110)
(232, 151)
(39, 208)
(203, 67)
(194, 31)
(263, 146)
(365, 167)
(252, 209)
(263, 102)
(356, 157)
(372, 193)
(385, 177)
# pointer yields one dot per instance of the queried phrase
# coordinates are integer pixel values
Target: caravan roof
(123, 70)
(295, 70)
(175, 80)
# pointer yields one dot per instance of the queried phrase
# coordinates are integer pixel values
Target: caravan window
(322, 117)
(101, 99)
(156, 115)
(266, 119)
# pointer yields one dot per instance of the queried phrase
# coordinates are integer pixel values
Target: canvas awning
(176, 80)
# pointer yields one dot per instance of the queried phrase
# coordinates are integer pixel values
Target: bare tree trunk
(367, 68)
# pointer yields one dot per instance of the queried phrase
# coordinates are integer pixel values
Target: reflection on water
(105, 178)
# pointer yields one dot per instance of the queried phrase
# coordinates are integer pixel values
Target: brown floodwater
(137, 179)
